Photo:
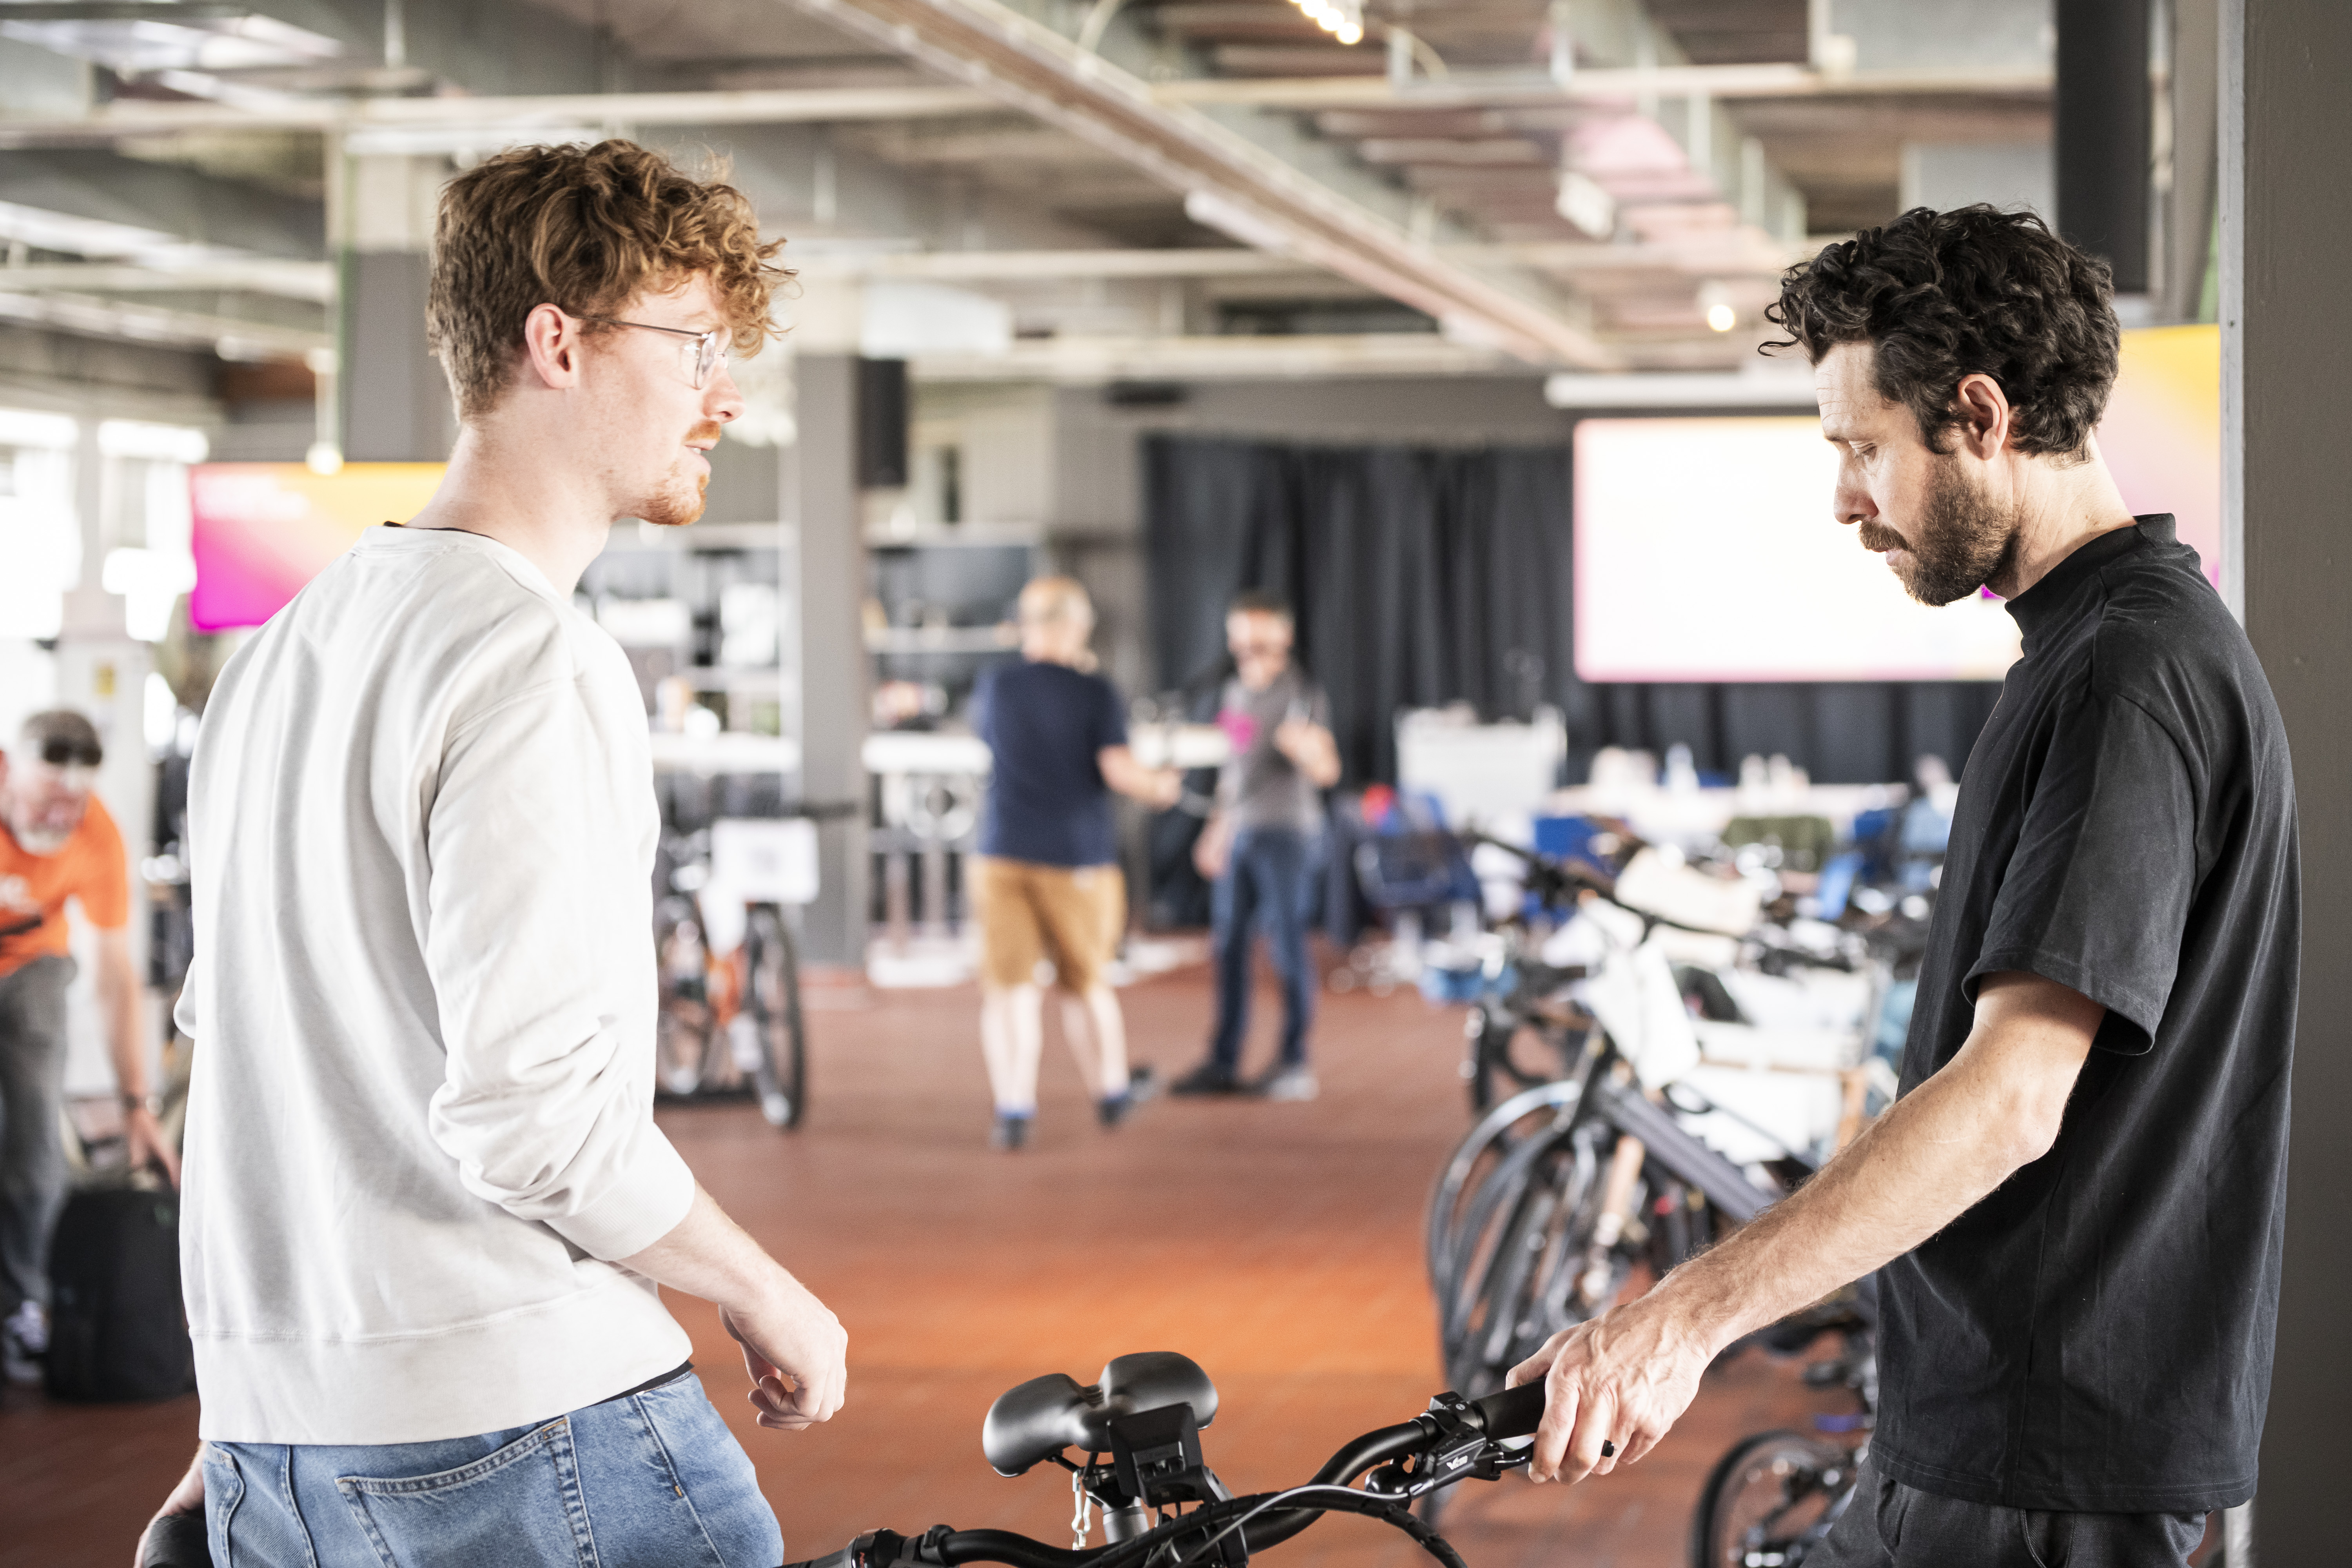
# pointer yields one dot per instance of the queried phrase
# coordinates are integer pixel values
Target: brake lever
(888, 1549)
(1459, 1450)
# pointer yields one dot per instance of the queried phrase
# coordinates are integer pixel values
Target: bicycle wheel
(779, 1065)
(1499, 1131)
(1508, 1055)
(682, 1028)
(1507, 1300)
(1770, 1501)
(1488, 1215)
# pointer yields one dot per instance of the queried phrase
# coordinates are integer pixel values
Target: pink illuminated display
(263, 530)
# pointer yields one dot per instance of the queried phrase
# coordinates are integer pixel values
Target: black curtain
(1428, 575)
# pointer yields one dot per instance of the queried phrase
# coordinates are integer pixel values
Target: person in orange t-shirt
(56, 842)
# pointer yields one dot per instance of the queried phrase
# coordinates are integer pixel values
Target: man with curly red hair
(427, 1212)
(2075, 1206)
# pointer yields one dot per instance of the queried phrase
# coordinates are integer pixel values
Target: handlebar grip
(177, 1540)
(1514, 1413)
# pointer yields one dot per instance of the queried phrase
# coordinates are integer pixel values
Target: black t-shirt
(1046, 724)
(2095, 1335)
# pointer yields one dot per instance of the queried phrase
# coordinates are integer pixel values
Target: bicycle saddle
(1041, 1418)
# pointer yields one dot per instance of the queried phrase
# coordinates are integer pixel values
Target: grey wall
(2286, 229)
(1947, 174)
(1898, 35)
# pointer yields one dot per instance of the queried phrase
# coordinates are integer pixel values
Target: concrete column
(822, 497)
(396, 406)
(2286, 228)
(102, 673)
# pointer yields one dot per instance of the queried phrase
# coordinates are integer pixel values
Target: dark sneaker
(23, 1342)
(1206, 1079)
(1295, 1082)
(1009, 1132)
(1142, 1084)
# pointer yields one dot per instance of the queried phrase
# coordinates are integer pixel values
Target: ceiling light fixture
(1715, 299)
(1343, 19)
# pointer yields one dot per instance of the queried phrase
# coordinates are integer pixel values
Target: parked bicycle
(1139, 1426)
(731, 1021)
(1772, 1498)
(1651, 1145)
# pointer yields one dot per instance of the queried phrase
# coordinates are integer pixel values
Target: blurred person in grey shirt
(1260, 845)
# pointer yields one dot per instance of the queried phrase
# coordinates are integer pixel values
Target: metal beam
(260, 274)
(314, 280)
(1092, 361)
(1711, 259)
(132, 321)
(171, 11)
(505, 115)
(1028, 66)
(1521, 89)
(801, 105)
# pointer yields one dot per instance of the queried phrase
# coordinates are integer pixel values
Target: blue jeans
(652, 1478)
(1266, 881)
(32, 1151)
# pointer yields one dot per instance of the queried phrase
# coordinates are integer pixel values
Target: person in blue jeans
(1261, 844)
(426, 1213)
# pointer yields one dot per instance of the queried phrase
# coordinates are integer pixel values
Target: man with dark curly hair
(2075, 1204)
(427, 1211)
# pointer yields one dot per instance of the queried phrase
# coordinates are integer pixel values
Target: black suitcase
(116, 1327)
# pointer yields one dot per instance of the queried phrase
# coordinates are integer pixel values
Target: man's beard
(1961, 542)
(678, 502)
(675, 506)
(42, 833)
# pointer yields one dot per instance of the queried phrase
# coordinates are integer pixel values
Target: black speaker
(2104, 134)
(881, 423)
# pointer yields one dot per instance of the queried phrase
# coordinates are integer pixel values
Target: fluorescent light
(1714, 303)
(138, 438)
(1586, 203)
(1343, 19)
(23, 427)
(1777, 387)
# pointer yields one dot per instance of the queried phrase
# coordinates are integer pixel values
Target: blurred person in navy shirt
(1047, 883)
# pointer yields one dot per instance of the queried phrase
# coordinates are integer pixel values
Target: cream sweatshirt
(421, 830)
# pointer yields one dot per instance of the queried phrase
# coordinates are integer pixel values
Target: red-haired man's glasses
(703, 350)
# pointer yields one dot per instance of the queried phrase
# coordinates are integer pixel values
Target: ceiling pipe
(1031, 67)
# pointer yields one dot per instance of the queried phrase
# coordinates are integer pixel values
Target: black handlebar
(1514, 1413)
(1549, 876)
(1455, 1429)
(177, 1540)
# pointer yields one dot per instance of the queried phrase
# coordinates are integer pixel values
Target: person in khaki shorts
(1046, 882)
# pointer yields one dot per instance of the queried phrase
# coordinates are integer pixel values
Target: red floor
(1278, 1245)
